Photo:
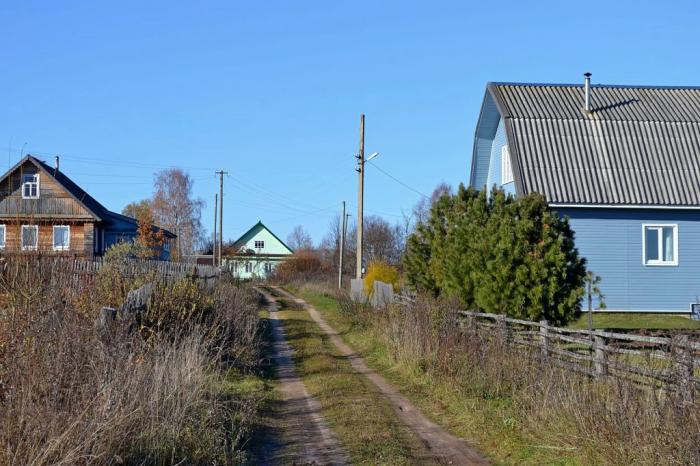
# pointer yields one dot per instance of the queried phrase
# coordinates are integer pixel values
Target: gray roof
(639, 145)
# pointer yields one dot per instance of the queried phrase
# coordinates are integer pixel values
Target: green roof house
(258, 252)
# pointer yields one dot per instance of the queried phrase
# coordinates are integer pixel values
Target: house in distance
(257, 254)
(622, 162)
(41, 209)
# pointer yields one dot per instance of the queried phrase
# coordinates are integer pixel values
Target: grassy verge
(360, 417)
(630, 321)
(489, 423)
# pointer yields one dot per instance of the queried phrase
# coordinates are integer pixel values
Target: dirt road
(304, 437)
(445, 447)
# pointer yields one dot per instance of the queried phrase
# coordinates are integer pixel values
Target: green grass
(490, 424)
(363, 421)
(630, 321)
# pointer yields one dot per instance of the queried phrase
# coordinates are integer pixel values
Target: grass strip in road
(489, 423)
(363, 421)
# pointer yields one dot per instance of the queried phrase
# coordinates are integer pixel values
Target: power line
(399, 181)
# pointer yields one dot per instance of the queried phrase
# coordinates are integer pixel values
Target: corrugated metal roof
(639, 146)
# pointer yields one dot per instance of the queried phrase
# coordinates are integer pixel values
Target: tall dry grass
(147, 391)
(609, 422)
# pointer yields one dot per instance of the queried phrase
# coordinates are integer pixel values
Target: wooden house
(41, 209)
(622, 163)
(258, 252)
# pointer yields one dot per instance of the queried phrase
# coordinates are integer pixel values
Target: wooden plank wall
(80, 238)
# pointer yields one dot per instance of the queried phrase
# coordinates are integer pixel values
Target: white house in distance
(258, 253)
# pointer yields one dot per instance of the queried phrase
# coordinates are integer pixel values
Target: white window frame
(36, 238)
(53, 238)
(4, 236)
(248, 267)
(37, 181)
(261, 242)
(506, 166)
(660, 262)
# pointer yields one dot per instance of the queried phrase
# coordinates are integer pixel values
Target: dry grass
(519, 408)
(71, 393)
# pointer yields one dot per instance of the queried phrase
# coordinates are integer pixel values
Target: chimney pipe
(56, 164)
(587, 92)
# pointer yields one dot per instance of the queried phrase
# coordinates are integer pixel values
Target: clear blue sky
(272, 91)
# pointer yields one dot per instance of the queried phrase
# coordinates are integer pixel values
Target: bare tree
(299, 239)
(382, 241)
(421, 211)
(176, 209)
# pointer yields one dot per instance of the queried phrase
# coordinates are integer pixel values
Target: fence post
(683, 365)
(471, 322)
(503, 329)
(600, 357)
(544, 338)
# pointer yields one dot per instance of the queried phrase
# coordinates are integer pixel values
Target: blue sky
(272, 91)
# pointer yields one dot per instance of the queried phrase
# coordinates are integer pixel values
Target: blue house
(622, 162)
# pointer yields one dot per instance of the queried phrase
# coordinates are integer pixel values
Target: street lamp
(360, 194)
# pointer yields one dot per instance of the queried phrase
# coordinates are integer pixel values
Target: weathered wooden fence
(669, 362)
(167, 270)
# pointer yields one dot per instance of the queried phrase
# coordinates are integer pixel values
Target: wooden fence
(669, 362)
(168, 270)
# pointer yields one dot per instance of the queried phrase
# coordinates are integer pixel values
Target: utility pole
(342, 249)
(360, 196)
(221, 174)
(213, 252)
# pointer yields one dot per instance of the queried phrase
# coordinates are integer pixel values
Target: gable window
(30, 237)
(61, 238)
(506, 167)
(259, 244)
(2, 236)
(660, 244)
(30, 186)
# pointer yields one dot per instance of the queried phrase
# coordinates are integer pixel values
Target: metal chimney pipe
(56, 163)
(587, 93)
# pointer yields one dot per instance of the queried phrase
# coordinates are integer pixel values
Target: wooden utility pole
(221, 174)
(213, 252)
(360, 196)
(342, 249)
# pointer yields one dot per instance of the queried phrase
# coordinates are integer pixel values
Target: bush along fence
(671, 363)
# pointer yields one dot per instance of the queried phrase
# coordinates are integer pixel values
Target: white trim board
(638, 311)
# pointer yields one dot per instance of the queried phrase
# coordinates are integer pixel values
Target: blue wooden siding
(495, 175)
(490, 139)
(483, 143)
(611, 241)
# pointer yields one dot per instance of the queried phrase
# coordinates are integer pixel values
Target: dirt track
(443, 446)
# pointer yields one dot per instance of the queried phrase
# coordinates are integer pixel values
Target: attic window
(30, 186)
(506, 167)
(259, 244)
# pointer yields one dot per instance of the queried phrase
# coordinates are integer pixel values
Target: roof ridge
(600, 85)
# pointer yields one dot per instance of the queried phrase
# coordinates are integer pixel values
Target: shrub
(498, 254)
(304, 265)
(380, 271)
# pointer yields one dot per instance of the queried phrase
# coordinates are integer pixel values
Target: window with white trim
(506, 167)
(61, 237)
(248, 267)
(259, 244)
(30, 237)
(660, 244)
(268, 267)
(3, 231)
(30, 186)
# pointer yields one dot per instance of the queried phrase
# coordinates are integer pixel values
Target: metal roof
(639, 145)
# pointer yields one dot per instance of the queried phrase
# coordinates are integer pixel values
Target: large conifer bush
(498, 254)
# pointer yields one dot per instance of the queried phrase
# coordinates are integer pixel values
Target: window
(30, 186)
(2, 236)
(248, 267)
(268, 267)
(61, 238)
(259, 244)
(660, 244)
(30, 237)
(506, 167)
